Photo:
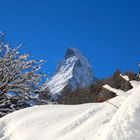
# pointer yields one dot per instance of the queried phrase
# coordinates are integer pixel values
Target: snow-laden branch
(19, 75)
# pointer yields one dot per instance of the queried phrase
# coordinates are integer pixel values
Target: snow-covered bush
(20, 76)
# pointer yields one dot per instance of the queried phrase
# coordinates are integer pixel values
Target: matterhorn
(74, 71)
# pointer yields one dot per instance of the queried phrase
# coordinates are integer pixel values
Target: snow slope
(125, 125)
(116, 119)
(125, 77)
(74, 71)
(60, 80)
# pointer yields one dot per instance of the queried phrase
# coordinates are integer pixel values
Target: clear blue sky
(106, 31)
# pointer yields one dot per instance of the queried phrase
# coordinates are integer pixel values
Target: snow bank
(94, 121)
(134, 83)
(117, 91)
(125, 123)
(125, 77)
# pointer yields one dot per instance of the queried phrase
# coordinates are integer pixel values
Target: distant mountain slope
(74, 71)
(115, 119)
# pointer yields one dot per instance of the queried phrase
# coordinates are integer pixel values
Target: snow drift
(116, 119)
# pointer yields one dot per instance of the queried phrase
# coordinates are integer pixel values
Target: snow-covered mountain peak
(74, 71)
(72, 52)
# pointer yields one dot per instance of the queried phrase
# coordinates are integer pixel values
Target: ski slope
(94, 121)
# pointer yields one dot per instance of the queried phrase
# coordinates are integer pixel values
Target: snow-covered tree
(20, 76)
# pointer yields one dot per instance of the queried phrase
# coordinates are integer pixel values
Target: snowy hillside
(74, 71)
(116, 119)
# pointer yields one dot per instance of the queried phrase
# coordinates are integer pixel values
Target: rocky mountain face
(73, 72)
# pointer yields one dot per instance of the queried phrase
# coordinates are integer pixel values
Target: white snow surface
(125, 77)
(60, 80)
(117, 91)
(93, 121)
(74, 71)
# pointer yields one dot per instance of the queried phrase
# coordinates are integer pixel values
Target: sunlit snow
(94, 121)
